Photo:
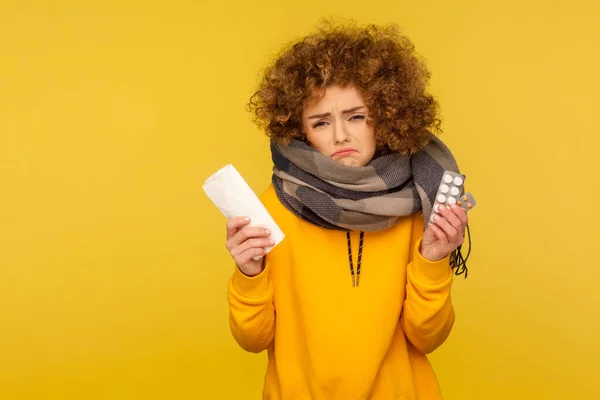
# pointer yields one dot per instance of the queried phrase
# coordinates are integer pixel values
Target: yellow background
(113, 268)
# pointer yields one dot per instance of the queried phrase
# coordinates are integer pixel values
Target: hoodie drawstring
(355, 282)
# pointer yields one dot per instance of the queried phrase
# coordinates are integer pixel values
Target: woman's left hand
(446, 234)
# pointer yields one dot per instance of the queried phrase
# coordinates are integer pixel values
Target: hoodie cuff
(253, 287)
(425, 270)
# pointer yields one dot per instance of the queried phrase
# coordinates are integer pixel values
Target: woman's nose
(339, 132)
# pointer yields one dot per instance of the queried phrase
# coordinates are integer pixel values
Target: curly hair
(377, 60)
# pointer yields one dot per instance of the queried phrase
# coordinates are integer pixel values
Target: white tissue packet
(228, 190)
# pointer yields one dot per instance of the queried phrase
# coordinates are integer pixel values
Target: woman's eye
(319, 124)
(357, 117)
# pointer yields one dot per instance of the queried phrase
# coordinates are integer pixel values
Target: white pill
(447, 178)
(458, 181)
(451, 200)
(441, 198)
(444, 188)
(454, 191)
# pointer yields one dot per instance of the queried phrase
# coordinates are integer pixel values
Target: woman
(355, 297)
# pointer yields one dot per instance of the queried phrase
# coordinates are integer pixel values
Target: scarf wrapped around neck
(326, 193)
(368, 198)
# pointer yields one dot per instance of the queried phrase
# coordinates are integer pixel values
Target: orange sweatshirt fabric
(329, 340)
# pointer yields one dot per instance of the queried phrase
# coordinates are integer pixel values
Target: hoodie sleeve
(428, 314)
(251, 309)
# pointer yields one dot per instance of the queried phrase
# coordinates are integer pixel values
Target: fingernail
(246, 219)
(268, 232)
(271, 242)
(435, 217)
(441, 207)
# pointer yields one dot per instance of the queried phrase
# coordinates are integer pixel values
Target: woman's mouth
(343, 152)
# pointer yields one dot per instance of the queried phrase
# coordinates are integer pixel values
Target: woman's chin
(350, 162)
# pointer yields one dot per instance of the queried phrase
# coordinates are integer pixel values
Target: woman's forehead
(335, 97)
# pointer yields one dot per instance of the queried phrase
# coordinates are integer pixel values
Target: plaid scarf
(371, 198)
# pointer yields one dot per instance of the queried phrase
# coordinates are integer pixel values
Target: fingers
(448, 229)
(451, 233)
(450, 216)
(234, 224)
(456, 220)
(238, 234)
(248, 233)
(244, 243)
(438, 232)
(461, 214)
(254, 243)
(245, 257)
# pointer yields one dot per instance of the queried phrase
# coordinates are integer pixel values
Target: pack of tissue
(232, 195)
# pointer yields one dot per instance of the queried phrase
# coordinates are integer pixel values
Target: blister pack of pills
(451, 191)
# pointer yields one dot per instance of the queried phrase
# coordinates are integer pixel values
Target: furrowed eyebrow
(349, 111)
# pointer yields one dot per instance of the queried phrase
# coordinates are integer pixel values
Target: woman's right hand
(244, 243)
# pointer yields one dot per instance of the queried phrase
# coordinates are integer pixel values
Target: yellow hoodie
(327, 339)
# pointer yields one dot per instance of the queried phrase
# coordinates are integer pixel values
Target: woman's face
(336, 125)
